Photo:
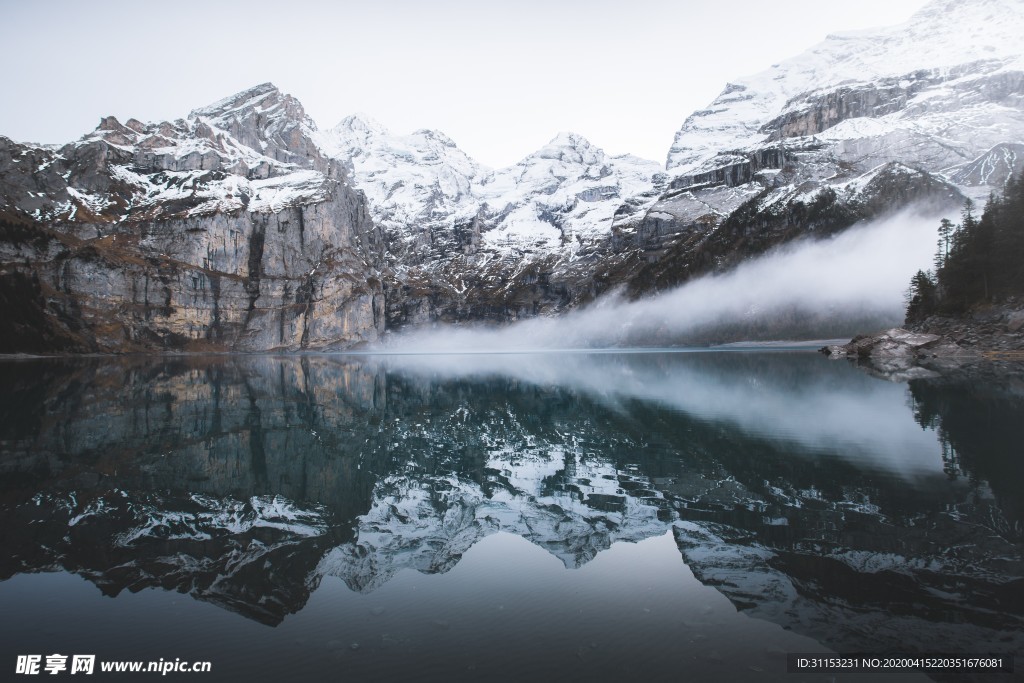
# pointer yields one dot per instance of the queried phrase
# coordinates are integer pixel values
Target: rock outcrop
(939, 342)
(896, 352)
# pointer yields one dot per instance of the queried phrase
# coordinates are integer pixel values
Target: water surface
(498, 517)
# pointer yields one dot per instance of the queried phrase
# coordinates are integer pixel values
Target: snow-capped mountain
(244, 226)
(562, 194)
(419, 186)
(938, 100)
(866, 122)
(466, 242)
(252, 150)
(937, 92)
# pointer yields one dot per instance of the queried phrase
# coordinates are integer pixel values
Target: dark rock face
(681, 239)
(228, 231)
(994, 329)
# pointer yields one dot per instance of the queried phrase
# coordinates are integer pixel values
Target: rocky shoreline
(991, 333)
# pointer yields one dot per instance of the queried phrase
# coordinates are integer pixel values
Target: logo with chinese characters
(54, 664)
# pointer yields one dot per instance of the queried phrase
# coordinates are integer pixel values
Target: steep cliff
(228, 230)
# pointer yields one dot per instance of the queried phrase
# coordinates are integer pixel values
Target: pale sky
(500, 78)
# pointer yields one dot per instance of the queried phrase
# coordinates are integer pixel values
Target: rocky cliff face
(225, 231)
(684, 237)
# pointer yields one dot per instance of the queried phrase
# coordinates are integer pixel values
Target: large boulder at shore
(897, 349)
(993, 332)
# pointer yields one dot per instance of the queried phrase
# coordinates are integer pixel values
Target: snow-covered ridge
(253, 150)
(562, 194)
(942, 93)
(257, 150)
(413, 182)
(936, 91)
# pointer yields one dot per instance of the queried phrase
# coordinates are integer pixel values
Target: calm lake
(664, 516)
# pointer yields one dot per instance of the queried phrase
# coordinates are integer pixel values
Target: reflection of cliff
(243, 481)
(860, 566)
(209, 426)
(224, 479)
(862, 581)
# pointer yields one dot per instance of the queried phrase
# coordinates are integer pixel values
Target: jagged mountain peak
(358, 132)
(262, 109)
(360, 123)
(266, 120)
(254, 150)
(264, 97)
(367, 141)
(570, 139)
(436, 135)
(570, 147)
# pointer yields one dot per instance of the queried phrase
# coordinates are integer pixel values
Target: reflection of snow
(427, 523)
(218, 517)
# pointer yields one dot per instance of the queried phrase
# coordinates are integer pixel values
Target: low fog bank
(853, 282)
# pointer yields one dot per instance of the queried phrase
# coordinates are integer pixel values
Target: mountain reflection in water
(868, 515)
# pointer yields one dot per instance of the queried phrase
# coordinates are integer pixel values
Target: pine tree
(922, 297)
(946, 229)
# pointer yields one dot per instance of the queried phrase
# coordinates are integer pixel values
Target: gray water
(603, 516)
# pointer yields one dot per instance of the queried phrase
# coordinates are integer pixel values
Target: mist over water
(862, 273)
(855, 416)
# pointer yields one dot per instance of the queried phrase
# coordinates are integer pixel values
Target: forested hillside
(978, 261)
